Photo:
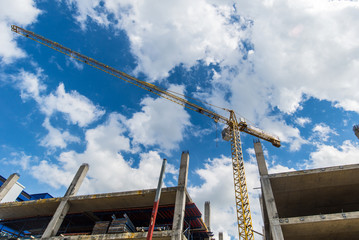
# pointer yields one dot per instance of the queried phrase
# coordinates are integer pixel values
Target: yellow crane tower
(231, 133)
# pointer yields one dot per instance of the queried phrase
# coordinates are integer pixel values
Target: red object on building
(156, 203)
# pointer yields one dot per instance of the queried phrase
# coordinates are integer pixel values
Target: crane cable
(197, 100)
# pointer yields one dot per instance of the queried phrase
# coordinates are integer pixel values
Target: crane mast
(231, 132)
(244, 218)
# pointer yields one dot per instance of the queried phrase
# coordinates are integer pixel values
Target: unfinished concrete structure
(312, 204)
(64, 206)
(207, 214)
(220, 236)
(85, 217)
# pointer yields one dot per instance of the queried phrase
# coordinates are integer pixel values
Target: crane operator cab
(226, 134)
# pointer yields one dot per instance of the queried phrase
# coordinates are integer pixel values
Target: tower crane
(230, 133)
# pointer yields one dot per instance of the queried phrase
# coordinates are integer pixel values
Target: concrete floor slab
(163, 235)
(343, 226)
(317, 191)
(89, 203)
(15, 210)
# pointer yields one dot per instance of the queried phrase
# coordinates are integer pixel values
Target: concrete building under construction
(317, 204)
(310, 204)
(119, 215)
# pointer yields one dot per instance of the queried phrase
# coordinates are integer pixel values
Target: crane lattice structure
(230, 133)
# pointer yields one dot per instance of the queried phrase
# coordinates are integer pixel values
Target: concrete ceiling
(333, 230)
(318, 191)
(89, 203)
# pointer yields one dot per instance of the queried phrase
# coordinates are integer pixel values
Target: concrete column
(264, 233)
(207, 214)
(180, 204)
(220, 236)
(267, 193)
(64, 206)
(273, 217)
(266, 227)
(262, 166)
(8, 184)
(77, 180)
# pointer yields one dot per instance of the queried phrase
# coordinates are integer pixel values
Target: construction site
(309, 204)
(119, 215)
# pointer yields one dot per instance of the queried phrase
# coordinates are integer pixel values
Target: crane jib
(142, 84)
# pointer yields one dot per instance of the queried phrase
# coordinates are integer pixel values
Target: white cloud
(218, 188)
(9, 50)
(279, 169)
(164, 35)
(75, 63)
(109, 171)
(86, 9)
(77, 108)
(56, 138)
(109, 135)
(252, 97)
(160, 122)
(51, 174)
(30, 85)
(106, 143)
(20, 159)
(21, 12)
(270, 161)
(327, 155)
(285, 132)
(304, 47)
(322, 131)
(302, 121)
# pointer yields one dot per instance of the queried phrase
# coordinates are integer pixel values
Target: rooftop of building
(24, 196)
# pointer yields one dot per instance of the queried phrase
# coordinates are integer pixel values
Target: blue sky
(288, 68)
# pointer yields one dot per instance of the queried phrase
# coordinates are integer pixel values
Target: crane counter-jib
(231, 132)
